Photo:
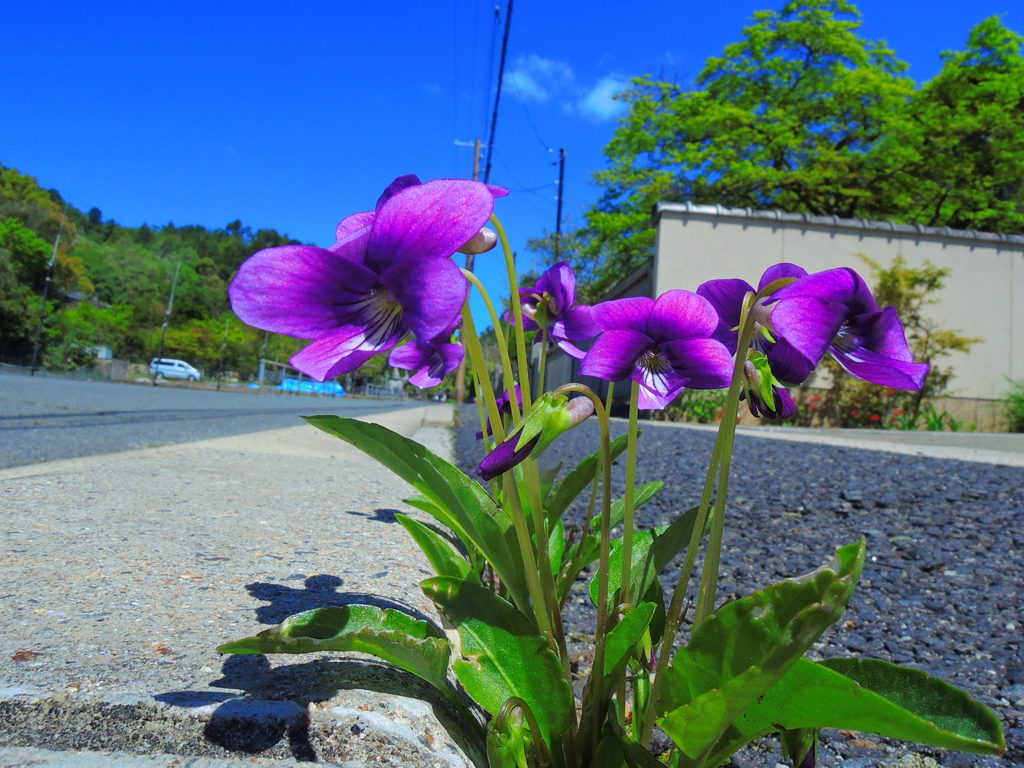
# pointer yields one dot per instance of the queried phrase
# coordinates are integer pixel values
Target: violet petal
(504, 457)
(352, 226)
(560, 283)
(878, 369)
(726, 296)
(700, 363)
(614, 354)
(299, 290)
(431, 220)
(342, 351)
(681, 315)
(396, 186)
(623, 314)
(779, 271)
(808, 324)
(431, 293)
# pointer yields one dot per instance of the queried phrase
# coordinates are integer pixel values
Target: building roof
(834, 222)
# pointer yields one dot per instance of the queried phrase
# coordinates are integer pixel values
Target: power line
(529, 117)
(490, 66)
(497, 95)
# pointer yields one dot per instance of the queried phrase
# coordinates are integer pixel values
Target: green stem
(540, 610)
(499, 335)
(476, 356)
(517, 313)
(716, 467)
(630, 512)
(542, 376)
(593, 697)
(673, 617)
(480, 411)
(727, 431)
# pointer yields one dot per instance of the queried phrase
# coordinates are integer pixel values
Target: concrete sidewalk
(121, 573)
(984, 447)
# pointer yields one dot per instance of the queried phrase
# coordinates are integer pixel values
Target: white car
(166, 368)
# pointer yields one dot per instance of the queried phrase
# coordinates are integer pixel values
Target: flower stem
(630, 513)
(476, 355)
(593, 697)
(541, 614)
(673, 616)
(542, 376)
(727, 433)
(499, 335)
(517, 313)
(716, 467)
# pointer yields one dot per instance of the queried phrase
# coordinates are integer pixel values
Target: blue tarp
(313, 387)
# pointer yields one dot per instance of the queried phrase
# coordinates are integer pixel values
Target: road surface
(43, 419)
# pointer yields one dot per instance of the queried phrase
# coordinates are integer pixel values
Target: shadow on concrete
(382, 515)
(319, 591)
(263, 705)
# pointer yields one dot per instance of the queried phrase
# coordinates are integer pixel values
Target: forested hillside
(110, 285)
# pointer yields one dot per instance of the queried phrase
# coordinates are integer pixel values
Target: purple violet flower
(833, 311)
(665, 345)
(773, 364)
(727, 297)
(388, 274)
(551, 304)
(432, 360)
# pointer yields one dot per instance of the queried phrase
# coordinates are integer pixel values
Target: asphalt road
(43, 419)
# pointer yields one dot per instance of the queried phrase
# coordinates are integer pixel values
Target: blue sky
(291, 118)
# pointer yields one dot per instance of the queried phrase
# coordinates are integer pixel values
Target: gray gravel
(941, 590)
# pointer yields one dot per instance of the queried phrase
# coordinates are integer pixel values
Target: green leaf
(556, 546)
(397, 638)
(563, 494)
(872, 696)
(466, 507)
(624, 636)
(441, 554)
(502, 655)
(746, 647)
(950, 709)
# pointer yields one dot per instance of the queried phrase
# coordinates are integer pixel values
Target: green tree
(87, 325)
(804, 115)
(960, 156)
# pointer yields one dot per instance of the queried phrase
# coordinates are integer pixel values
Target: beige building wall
(983, 296)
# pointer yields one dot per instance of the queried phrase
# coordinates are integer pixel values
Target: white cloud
(534, 78)
(599, 104)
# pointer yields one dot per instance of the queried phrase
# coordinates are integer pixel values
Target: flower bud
(765, 395)
(481, 242)
(550, 416)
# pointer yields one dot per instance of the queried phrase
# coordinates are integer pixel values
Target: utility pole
(167, 317)
(460, 374)
(223, 346)
(558, 215)
(42, 309)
